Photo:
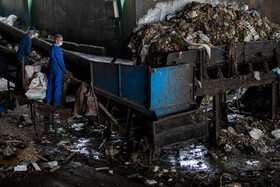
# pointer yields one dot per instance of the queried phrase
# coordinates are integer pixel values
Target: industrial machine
(165, 101)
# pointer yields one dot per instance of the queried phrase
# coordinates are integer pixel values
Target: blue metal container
(155, 92)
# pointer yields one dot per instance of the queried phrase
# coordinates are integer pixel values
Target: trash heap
(18, 157)
(199, 25)
(247, 134)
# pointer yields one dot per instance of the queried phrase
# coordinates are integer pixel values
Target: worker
(57, 69)
(24, 50)
(24, 53)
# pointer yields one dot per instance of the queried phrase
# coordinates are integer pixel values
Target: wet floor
(197, 158)
(84, 146)
(191, 157)
(196, 163)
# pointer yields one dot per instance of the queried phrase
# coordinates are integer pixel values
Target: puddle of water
(195, 158)
(191, 157)
(83, 145)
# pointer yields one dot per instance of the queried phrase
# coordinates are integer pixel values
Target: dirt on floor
(86, 154)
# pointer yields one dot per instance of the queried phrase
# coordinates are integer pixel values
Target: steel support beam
(214, 86)
(275, 95)
(217, 106)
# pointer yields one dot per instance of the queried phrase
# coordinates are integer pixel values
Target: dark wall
(81, 21)
(16, 7)
(268, 8)
(128, 20)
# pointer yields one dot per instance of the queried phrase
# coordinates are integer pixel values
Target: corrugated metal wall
(129, 19)
(9, 7)
(80, 21)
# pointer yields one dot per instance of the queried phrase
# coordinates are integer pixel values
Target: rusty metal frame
(179, 128)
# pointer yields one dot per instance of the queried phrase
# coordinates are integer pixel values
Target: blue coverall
(24, 49)
(57, 68)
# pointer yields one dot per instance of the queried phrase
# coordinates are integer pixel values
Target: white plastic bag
(31, 70)
(36, 93)
(38, 87)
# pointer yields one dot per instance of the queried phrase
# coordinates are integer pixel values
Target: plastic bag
(91, 106)
(38, 87)
(36, 93)
(31, 70)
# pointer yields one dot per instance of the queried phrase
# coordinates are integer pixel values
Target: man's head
(31, 32)
(58, 40)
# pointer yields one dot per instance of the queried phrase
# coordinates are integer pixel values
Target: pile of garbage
(199, 25)
(247, 134)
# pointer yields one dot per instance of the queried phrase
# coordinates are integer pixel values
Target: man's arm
(27, 45)
(59, 57)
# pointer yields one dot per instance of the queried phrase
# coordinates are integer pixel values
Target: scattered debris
(52, 164)
(151, 182)
(37, 168)
(102, 168)
(20, 168)
(55, 169)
